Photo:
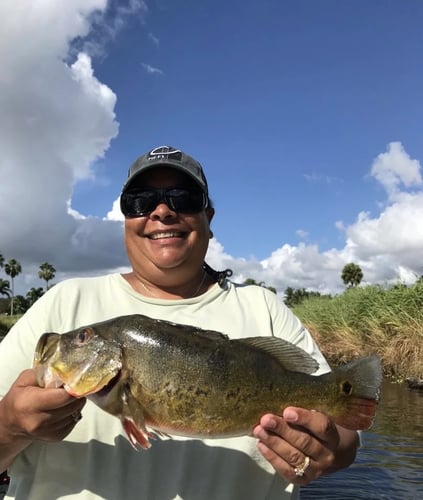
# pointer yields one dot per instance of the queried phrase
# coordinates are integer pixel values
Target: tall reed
(387, 321)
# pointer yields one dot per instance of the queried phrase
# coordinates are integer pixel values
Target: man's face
(166, 239)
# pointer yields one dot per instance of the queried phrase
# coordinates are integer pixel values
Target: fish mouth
(105, 390)
(167, 234)
(101, 389)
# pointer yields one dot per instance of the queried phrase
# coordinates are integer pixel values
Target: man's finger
(316, 423)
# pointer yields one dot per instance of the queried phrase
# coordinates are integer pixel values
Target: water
(390, 463)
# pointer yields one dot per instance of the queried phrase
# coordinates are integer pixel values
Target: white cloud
(301, 234)
(388, 247)
(151, 69)
(57, 119)
(108, 22)
(395, 168)
(115, 213)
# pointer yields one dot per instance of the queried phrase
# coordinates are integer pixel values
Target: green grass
(6, 322)
(370, 320)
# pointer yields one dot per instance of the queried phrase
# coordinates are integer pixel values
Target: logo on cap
(165, 153)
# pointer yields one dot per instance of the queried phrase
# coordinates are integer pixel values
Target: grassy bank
(370, 320)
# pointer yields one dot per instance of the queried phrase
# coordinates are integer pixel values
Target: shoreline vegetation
(369, 320)
(364, 320)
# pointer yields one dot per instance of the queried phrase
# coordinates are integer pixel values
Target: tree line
(351, 276)
(19, 304)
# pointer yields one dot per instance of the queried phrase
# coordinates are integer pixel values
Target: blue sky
(306, 116)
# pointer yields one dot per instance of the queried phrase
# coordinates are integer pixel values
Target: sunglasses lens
(137, 203)
(184, 200)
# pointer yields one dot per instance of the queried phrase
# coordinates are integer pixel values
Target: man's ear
(210, 215)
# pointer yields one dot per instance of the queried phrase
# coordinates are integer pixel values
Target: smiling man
(167, 224)
(58, 446)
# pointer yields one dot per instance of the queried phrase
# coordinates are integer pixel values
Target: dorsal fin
(289, 356)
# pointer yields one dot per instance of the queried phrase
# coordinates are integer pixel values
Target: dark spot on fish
(233, 394)
(346, 388)
(201, 392)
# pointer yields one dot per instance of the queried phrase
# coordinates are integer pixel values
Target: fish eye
(346, 388)
(83, 336)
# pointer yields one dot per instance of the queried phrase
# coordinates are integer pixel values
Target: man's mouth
(166, 234)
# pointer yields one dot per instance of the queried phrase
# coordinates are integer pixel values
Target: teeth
(157, 236)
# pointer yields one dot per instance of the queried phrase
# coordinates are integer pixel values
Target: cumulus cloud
(394, 169)
(387, 246)
(390, 244)
(108, 22)
(57, 119)
(115, 213)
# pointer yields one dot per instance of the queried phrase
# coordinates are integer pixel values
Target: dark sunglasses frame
(139, 202)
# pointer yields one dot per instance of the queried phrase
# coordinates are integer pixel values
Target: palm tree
(34, 294)
(5, 288)
(351, 274)
(46, 272)
(12, 269)
(21, 304)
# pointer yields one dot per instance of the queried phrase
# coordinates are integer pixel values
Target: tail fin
(359, 384)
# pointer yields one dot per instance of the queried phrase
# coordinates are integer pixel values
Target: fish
(163, 378)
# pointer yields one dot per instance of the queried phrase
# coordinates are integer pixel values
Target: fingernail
(290, 415)
(260, 433)
(269, 423)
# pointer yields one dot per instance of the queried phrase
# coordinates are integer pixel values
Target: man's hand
(304, 440)
(29, 412)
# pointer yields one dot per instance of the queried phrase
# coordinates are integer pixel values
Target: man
(54, 453)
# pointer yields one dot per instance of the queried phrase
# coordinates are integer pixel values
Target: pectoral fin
(136, 434)
(133, 420)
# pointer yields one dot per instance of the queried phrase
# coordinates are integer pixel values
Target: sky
(306, 116)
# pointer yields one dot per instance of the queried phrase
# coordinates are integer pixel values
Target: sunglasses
(139, 202)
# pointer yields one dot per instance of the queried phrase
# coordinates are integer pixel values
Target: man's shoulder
(254, 290)
(83, 282)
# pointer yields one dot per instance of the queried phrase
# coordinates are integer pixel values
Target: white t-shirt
(96, 460)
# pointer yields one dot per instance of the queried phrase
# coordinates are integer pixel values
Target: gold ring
(299, 471)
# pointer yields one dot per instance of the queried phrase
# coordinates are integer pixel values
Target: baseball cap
(167, 156)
